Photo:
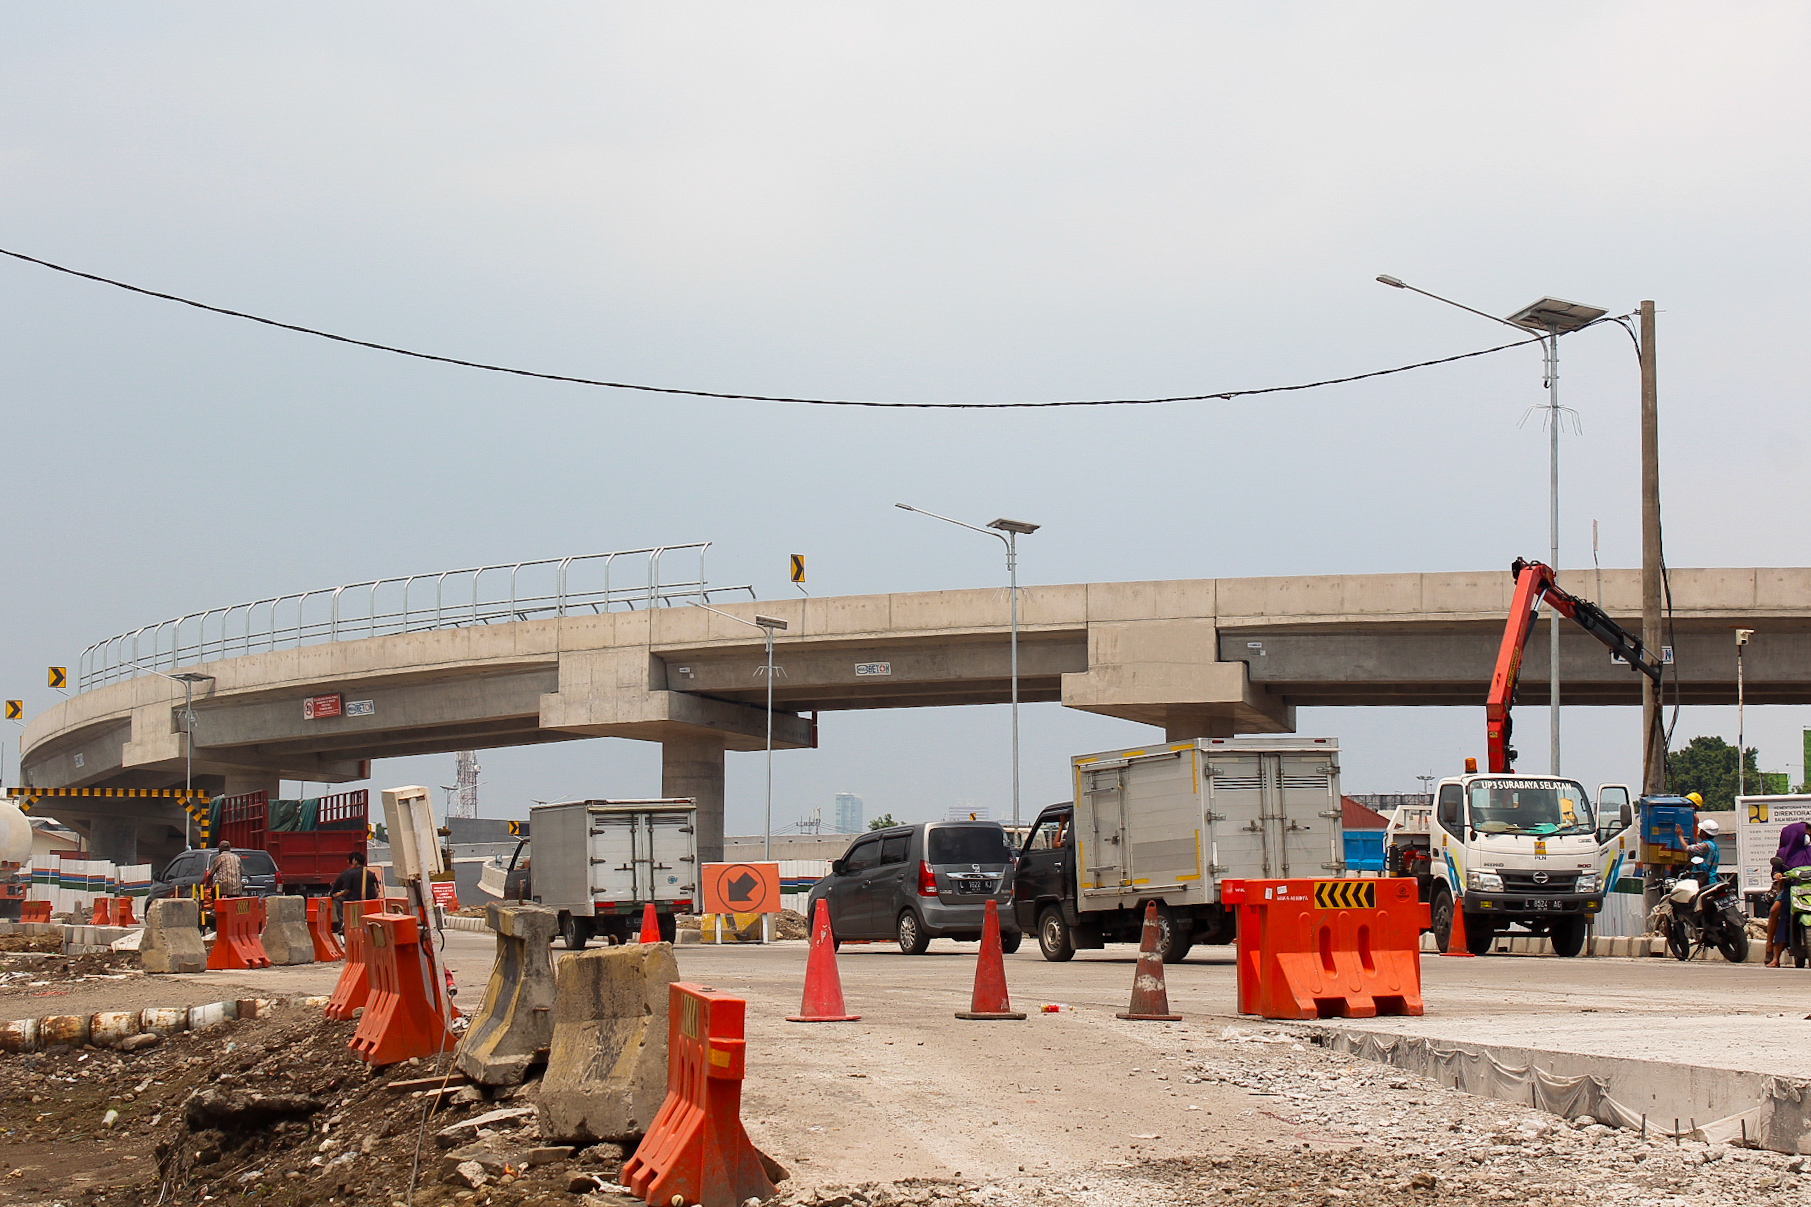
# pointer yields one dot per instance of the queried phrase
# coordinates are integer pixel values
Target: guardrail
(586, 584)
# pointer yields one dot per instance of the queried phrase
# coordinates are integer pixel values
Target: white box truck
(599, 862)
(1167, 823)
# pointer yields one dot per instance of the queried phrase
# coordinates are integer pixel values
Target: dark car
(918, 883)
(181, 877)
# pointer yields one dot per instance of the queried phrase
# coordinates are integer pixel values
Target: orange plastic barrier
(354, 986)
(1328, 948)
(238, 922)
(327, 949)
(696, 1151)
(112, 911)
(34, 911)
(403, 1019)
(122, 912)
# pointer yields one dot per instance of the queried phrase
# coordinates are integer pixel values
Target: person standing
(355, 883)
(226, 874)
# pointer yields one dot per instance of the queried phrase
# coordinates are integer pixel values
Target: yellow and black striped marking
(1345, 894)
(178, 794)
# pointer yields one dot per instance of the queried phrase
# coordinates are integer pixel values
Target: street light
(1742, 636)
(188, 679)
(1552, 318)
(767, 625)
(1009, 532)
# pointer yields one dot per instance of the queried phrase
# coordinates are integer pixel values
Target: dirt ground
(907, 1106)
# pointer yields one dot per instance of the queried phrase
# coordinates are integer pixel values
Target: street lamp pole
(188, 679)
(1008, 532)
(767, 625)
(1551, 318)
(1742, 636)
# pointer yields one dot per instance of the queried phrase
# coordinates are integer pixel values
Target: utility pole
(1653, 739)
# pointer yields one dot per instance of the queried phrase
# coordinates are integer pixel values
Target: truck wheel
(1480, 934)
(1054, 939)
(912, 939)
(574, 931)
(1440, 918)
(1567, 936)
(1010, 940)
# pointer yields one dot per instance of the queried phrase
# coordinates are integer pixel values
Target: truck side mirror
(1628, 815)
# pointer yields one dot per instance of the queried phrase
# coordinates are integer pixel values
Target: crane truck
(1531, 851)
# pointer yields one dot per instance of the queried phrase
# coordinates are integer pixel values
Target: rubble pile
(24, 969)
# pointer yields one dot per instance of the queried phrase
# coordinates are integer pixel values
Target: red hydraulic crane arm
(1534, 582)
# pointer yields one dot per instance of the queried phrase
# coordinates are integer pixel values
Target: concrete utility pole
(1653, 735)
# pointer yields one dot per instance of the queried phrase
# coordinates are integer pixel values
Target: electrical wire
(1217, 395)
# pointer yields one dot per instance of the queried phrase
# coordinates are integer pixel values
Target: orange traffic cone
(650, 925)
(823, 987)
(989, 1000)
(1456, 943)
(1150, 1000)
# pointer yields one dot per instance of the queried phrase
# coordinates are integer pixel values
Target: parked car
(918, 883)
(181, 877)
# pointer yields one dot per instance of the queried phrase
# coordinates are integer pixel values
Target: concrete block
(172, 939)
(514, 1024)
(607, 1066)
(285, 936)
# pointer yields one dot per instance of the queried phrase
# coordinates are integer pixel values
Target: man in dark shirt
(356, 883)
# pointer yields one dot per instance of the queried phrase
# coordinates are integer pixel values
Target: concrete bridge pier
(692, 766)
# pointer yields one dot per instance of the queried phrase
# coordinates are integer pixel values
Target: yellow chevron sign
(57, 676)
(1345, 894)
(177, 794)
(15, 709)
(515, 829)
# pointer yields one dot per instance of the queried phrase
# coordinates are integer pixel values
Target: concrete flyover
(1198, 657)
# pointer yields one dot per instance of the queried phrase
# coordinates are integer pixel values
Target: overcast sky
(976, 202)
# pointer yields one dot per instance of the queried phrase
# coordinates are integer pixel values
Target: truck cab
(1511, 850)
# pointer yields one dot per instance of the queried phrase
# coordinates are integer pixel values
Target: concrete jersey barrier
(514, 1025)
(606, 1073)
(285, 935)
(172, 938)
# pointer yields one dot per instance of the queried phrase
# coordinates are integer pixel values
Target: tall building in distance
(849, 813)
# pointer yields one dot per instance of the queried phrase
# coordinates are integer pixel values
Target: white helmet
(1708, 825)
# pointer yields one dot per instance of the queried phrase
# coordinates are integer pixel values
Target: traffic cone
(1456, 944)
(1150, 1000)
(823, 987)
(650, 925)
(989, 1000)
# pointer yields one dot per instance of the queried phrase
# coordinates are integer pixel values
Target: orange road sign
(15, 709)
(741, 888)
(58, 676)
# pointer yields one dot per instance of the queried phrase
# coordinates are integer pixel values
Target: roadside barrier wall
(353, 989)
(1328, 948)
(402, 1020)
(607, 1061)
(237, 922)
(696, 1151)
(172, 939)
(327, 949)
(514, 1025)
(285, 936)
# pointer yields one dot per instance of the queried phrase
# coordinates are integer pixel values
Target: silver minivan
(918, 883)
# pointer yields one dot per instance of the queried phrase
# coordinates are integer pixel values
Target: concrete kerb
(117, 1028)
(285, 935)
(1601, 946)
(514, 1025)
(607, 1063)
(172, 937)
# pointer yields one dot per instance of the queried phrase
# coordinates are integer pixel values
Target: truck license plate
(1544, 904)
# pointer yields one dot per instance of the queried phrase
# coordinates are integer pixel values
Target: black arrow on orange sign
(744, 888)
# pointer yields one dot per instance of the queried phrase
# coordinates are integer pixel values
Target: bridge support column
(114, 838)
(693, 766)
(1208, 727)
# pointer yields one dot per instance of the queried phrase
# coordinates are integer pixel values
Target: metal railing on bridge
(585, 584)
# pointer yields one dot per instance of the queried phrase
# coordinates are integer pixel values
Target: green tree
(882, 822)
(1707, 766)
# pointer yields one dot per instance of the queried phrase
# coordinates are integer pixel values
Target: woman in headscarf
(1794, 852)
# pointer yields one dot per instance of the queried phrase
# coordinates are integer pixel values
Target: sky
(982, 202)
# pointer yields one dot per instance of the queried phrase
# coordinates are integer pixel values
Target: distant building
(1387, 803)
(849, 814)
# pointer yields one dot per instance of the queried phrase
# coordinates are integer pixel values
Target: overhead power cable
(1217, 395)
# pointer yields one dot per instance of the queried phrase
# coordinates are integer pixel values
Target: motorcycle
(1798, 915)
(1696, 916)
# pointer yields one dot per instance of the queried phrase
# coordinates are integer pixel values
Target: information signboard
(1759, 820)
